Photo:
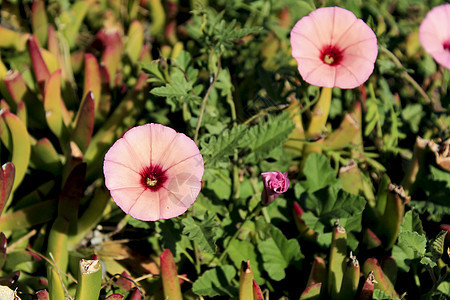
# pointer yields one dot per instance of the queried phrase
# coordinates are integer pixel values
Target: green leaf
(428, 261)
(218, 148)
(203, 232)
(264, 138)
(444, 287)
(138, 223)
(177, 88)
(53, 104)
(411, 222)
(240, 251)
(318, 172)
(381, 295)
(21, 149)
(332, 202)
(439, 175)
(412, 114)
(278, 252)
(216, 282)
(414, 241)
(437, 245)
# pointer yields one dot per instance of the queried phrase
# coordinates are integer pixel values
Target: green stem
(197, 258)
(249, 217)
(202, 109)
(236, 182)
(405, 74)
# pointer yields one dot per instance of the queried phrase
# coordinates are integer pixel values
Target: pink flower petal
(153, 172)
(337, 33)
(147, 206)
(122, 152)
(434, 32)
(128, 178)
(125, 198)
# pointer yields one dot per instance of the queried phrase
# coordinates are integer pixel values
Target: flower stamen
(151, 181)
(331, 55)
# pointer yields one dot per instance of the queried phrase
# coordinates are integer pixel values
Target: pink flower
(275, 183)
(153, 172)
(333, 48)
(434, 34)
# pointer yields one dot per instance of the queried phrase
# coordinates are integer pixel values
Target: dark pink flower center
(331, 55)
(446, 45)
(153, 177)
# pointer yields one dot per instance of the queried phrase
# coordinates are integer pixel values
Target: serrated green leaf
(414, 241)
(332, 202)
(177, 88)
(428, 261)
(264, 138)
(216, 282)
(437, 245)
(203, 232)
(318, 172)
(154, 73)
(278, 252)
(217, 149)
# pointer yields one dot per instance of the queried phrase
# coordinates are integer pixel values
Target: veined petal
(434, 32)
(325, 42)
(127, 178)
(147, 206)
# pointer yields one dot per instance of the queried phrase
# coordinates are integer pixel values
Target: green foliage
(216, 282)
(268, 136)
(219, 149)
(278, 253)
(203, 232)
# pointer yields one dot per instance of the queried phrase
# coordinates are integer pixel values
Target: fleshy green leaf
(278, 252)
(216, 282)
(203, 232)
(21, 148)
(53, 103)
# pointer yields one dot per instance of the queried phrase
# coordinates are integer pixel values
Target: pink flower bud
(275, 183)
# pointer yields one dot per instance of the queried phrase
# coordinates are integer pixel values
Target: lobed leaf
(216, 282)
(268, 136)
(278, 253)
(203, 232)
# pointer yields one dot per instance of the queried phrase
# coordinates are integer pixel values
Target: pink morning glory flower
(434, 34)
(153, 172)
(333, 48)
(275, 184)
